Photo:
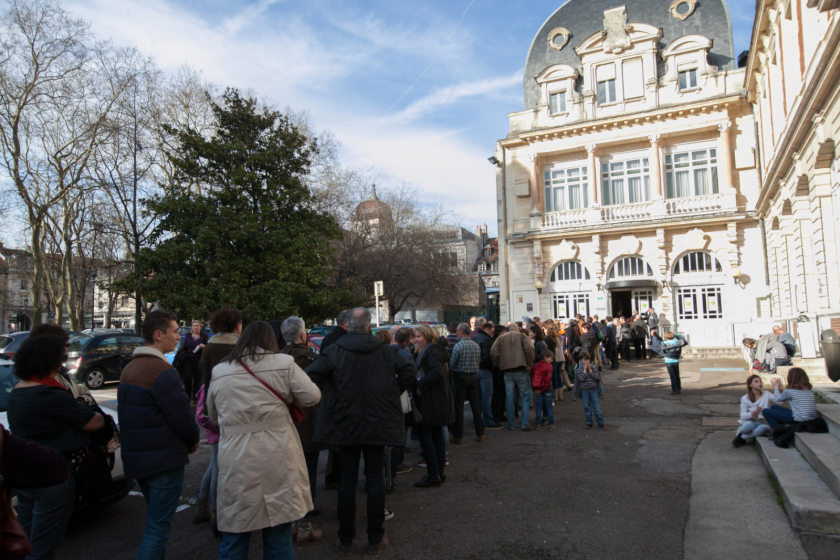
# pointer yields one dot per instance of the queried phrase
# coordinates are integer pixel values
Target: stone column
(726, 163)
(535, 183)
(655, 167)
(593, 176)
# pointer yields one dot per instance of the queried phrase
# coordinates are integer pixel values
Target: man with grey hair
(513, 353)
(294, 332)
(464, 363)
(340, 330)
(361, 379)
(786, 339)
(479, 323)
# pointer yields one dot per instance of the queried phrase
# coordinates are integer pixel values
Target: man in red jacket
(541, 373)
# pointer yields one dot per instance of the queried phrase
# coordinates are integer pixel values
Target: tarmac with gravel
(661, 482)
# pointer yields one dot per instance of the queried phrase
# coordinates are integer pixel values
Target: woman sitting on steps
(756, 400)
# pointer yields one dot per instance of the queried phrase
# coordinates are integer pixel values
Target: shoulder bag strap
(266, 385)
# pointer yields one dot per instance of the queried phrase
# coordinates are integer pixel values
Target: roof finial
(373, 193)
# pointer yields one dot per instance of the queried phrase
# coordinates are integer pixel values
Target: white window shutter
(634, 82)
(605, 72)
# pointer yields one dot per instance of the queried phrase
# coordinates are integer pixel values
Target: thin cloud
(248, 15)
(454, 94)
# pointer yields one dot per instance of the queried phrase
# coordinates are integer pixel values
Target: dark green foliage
(237, 227)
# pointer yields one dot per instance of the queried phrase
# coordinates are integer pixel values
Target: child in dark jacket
(541, 374)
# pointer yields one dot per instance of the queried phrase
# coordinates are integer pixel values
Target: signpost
(378, 291)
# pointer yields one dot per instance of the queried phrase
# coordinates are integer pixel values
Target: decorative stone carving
(660, 238)
(654, 138)
(596, 243)
(591, 148)
(630, 245)
(725, 126)
(567, 251)
(616, 29)
(687, 8)
(558, 38)
(696, 240)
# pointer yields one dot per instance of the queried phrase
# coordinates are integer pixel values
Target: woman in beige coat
(263, 482)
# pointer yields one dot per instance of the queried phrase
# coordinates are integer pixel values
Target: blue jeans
(162, 492)
(752, 429)
(544, 399)
(776, 415)
(277, 544)
(592, 403)
(44, 514)
(523, 381)
(485, 395)
(211, 476)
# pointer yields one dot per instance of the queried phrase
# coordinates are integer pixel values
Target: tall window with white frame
(557, 102)
(626, 182)
(691, 173)
(605, 77)
(688, 79)
(566, 189)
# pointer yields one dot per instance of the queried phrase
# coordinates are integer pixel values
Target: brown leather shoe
(480, 439)
(528, 429)
(344, 550)
(380, 547)
(456, 441)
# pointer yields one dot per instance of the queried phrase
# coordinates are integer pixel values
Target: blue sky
(418, 92)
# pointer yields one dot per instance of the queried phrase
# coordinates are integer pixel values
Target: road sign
(51, 315)
(379, 288)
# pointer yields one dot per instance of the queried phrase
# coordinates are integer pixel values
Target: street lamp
(5, 297)
(23, 312)
(93, 301)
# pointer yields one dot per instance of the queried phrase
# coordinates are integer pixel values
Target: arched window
(630, 266)
(569, 270)
(482, 267)
(697, 262)
(494, 266)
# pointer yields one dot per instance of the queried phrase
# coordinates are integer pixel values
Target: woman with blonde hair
(384, 335)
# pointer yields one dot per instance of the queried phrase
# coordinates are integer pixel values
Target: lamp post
(5, 298)
(23, 313)
(93, 301)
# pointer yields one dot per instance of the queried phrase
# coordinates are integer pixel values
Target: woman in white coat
(752, 423)
(263, 483)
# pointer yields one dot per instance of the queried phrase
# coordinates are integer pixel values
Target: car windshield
(79, 343)
(8, 380)
(5, 341)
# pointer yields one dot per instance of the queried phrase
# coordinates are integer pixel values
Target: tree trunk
(37, 268)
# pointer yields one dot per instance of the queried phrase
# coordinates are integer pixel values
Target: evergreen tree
(237, 226)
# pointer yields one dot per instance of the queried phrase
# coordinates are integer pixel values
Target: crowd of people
(269, 406)
(770, 350)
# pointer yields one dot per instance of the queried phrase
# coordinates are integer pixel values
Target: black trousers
(374, 485)
(639, 343)
(434, 448)
(612, 355)
(191, 377)
(466, 387)
(497, 403)
(674, 374)
(624, 347)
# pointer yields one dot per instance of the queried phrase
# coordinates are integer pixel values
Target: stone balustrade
(653, 210)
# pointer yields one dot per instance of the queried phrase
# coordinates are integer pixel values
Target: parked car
(119, 488)
(322, 330)
(9, 343)
(171, 355)
(316, 343)
(94, 359)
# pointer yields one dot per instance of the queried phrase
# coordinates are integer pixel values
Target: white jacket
(747, 406)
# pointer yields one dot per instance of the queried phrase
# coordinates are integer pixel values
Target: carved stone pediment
(630, 245)
(615, 26)
(567, 250)
(696, 240)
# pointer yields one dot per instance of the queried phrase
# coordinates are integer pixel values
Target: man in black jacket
(339, 331)
(333, 461)
(610, 347)
(484, 339)
(640, 334)
(361, 379)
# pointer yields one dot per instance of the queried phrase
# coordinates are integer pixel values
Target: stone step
(822, 451)
(809, 502)
(721, 352)
(816, 375)
(828, 391)
(831, 414)
(816, 363)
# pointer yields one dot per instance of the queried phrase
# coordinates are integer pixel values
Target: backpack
(597, 327)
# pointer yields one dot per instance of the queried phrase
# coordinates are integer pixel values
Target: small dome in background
(373, 209)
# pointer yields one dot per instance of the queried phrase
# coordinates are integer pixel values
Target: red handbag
(13, 541)
(295, 411)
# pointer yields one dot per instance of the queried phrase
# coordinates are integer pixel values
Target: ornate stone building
(630, 181)
(793, 74)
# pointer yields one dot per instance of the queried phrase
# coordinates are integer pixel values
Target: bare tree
(57, 87)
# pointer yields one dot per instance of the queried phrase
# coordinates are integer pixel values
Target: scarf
(420, 373)
(49, 381)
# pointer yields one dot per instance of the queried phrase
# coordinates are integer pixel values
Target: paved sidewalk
(733, 511)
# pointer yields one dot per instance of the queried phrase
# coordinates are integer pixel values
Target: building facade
(793, 74)
(630, 180)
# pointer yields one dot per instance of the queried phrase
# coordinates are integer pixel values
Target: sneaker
(380, 547)
(422, 464)
(389, 515)
(402, 469)
(738, 441)
(493, 427)
(538, 426)
(528, 429)
(428, 482)
(551, 427)
(481, 439)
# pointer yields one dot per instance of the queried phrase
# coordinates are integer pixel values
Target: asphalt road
(571, 493)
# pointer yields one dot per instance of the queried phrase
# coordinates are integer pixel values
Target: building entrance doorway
(622, 303)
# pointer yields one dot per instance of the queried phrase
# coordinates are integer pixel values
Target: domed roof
(373, 208)
(583, 18)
